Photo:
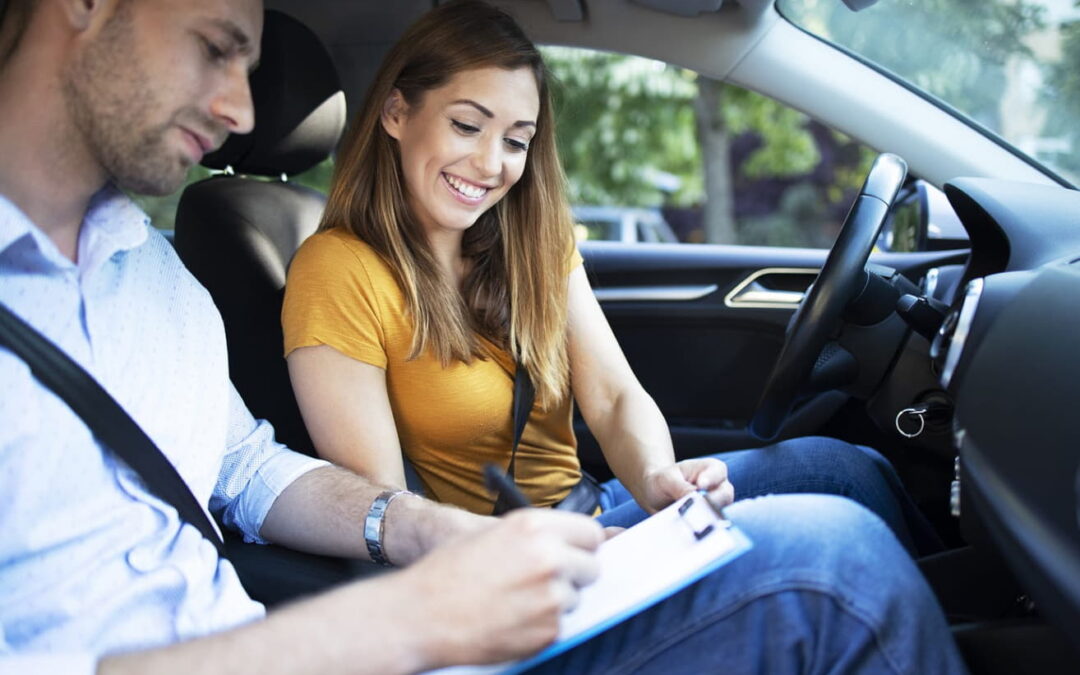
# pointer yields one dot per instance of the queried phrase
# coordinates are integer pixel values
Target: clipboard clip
(702, 516)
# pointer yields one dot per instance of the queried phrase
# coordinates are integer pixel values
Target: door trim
(749, 294)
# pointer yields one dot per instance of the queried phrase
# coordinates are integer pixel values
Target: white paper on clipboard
(645, 564)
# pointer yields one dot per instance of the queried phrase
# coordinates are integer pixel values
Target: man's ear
(81, 14)
(394, 111)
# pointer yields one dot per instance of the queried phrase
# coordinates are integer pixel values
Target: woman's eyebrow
(487, 113)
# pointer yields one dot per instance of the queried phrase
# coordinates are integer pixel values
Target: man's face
(159, 83)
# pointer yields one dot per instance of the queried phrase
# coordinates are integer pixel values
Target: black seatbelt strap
(112, 426)
(524, 393)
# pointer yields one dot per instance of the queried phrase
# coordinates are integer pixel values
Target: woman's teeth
(467, 189)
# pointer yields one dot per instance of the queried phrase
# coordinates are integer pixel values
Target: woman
(446, 258)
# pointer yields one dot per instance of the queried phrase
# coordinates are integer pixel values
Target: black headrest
(299, 105)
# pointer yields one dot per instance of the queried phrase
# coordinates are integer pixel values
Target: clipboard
(640, 567)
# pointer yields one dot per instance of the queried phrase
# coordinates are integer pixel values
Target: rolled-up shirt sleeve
(254, 471)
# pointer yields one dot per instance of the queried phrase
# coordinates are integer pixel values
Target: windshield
(1012, 66)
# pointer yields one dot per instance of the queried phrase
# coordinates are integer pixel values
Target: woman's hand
(664, 486)
(623, 417)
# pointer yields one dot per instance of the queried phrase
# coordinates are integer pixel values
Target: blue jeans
(825, 589)
(811, 464)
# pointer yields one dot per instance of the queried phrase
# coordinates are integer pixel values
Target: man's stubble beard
(112, 103)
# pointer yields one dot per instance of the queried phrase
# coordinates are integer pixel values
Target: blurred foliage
(617, 117)
(162, 210)
(317, 177)
(1064, 94)
(628, 136)
(787, 148)
(971, 40)
(622, 118)
(622, 121)
(1009, 65)
(904, 230)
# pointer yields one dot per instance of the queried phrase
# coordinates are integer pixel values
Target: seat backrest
(238, 233)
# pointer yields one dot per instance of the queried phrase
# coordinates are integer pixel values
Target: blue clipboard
(638, 568)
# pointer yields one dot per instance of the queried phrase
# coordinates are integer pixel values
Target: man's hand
(664, 486)
(493, 595)
(497, 595)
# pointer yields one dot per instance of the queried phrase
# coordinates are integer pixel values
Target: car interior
(955, 359)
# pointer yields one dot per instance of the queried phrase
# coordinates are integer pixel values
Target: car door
(702, 325)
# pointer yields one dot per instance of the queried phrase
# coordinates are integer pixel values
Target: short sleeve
(330, 300)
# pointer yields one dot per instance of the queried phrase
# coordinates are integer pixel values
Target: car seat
(237, 233)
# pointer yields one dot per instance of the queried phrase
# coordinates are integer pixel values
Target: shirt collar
(112, 223)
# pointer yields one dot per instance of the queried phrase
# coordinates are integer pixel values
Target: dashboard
(1009, 357)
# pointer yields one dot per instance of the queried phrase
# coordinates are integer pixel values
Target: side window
(690, 159)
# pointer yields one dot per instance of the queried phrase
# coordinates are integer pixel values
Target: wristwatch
(374, 525)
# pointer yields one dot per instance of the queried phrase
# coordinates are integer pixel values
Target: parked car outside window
(628, 225)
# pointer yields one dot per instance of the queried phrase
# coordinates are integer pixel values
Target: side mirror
(922, 219)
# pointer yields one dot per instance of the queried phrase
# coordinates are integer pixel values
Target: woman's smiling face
(463, 146)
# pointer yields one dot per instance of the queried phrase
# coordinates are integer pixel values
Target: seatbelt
(524, 393)
(110, 424)
(584, 497)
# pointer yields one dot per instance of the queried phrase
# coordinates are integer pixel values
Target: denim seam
(708, 619)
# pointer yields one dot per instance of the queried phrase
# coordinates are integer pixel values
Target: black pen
(498, 483)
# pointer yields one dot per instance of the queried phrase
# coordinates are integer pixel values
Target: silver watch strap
(375, 524)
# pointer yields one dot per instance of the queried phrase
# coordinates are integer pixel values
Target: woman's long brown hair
(515, 291)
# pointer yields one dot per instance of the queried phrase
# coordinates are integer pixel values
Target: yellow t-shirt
(451, 421)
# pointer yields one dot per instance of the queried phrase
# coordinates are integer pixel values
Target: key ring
(917, 412)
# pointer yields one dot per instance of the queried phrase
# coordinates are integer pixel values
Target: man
(97, 574)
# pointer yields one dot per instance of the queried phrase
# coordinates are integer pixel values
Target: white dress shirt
(90, 561)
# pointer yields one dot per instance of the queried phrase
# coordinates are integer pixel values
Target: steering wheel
(840, 280)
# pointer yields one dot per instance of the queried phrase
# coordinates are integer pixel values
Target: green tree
(621, 119)
(787, 149)
(973, 41)
(1063, 92)
(162, 210)
(714, 134)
